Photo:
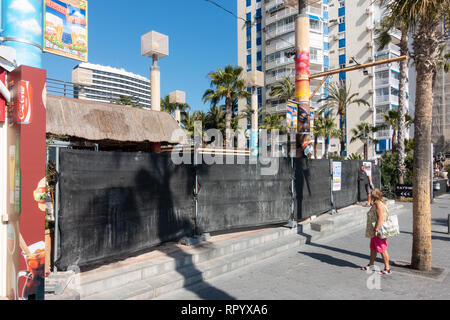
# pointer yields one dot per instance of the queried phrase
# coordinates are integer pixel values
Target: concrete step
(120, 274)
(197, 273)
(345, 219)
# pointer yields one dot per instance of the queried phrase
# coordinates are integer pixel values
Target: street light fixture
(156, 46)
(177, 97)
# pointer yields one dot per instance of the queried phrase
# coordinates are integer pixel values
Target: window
(249, 3)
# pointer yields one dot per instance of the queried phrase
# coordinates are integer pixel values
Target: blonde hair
(377, 195)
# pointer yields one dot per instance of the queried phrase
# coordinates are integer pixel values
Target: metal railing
(62, 88)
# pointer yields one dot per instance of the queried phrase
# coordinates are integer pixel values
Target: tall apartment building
(341, 35)
(266, 38)
(105, 84)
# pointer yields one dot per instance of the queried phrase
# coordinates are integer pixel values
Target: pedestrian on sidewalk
(368, 186)
(377, 215)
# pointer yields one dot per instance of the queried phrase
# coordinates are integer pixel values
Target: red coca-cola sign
(24, 103)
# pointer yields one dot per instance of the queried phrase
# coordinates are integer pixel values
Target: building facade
(342, 34)
(106, 84)
(266, 41)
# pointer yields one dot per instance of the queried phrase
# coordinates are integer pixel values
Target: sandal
(386, 271)
(366, 267)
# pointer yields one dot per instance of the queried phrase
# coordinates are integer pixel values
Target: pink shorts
(379, 245)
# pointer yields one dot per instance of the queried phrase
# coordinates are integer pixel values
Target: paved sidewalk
(329, 269)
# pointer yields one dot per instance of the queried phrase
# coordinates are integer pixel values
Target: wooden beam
(362, 66)
(320, 86)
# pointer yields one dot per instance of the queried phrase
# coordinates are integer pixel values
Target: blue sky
(202, 38)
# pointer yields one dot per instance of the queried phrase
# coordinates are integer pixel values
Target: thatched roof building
(97, 121)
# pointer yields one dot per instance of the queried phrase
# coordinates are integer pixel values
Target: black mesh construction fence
(244, 195)
(115, 204)
(312, 187)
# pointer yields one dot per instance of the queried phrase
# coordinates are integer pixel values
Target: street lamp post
(155, 45)
(254, 79)
(177, 97)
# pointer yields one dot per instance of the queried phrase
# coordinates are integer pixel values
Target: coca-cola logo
(24, 103)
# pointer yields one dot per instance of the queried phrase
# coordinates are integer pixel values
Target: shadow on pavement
(347, 252)
(432, 236)
(330, 260)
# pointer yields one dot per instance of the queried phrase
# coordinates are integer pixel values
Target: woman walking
(377, 215)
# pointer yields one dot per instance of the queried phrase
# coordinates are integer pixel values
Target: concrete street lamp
(156, 46)
(177, 97)
(254, 79)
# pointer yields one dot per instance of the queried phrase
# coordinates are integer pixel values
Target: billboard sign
(65, 28)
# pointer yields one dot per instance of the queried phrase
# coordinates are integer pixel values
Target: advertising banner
(446, 24)
(368, 166)
(65, 28)
(26, 182)
(337, 176)
(291, 116)
(22, 24)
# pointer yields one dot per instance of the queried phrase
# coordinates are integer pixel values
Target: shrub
(389, 179)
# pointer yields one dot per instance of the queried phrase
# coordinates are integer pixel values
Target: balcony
(279, 63)
(280, 30)
(391, 81)
(278, 46)
(383, 99)
(287, 12)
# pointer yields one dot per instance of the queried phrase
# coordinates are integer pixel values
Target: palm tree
(127, 101)
(272, 121)
(215, 118)
(425, 18)
(325, 127)
(168, 107)
(284, 90)
(364, 132)
(228, 84)
(391, 22)
(391, 120)
(339, 99)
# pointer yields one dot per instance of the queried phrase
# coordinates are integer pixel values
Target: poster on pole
(368, 166)
(291, 116)
(65, 28)
(337, 176)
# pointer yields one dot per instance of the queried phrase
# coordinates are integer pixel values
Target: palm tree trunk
(343, 134)
(228, 112)
(426, 49)
(326, 149)
(401, 169)
(315, 146)
(421, 252)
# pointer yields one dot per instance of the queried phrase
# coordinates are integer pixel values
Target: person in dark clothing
(368, 186)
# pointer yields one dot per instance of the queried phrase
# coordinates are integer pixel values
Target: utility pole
(302, 82)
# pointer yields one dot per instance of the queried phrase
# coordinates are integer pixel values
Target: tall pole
(155, 82)
(255, 124)
(302, 82)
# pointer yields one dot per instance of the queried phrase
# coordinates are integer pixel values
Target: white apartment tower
(341, 35)
(105, 84)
